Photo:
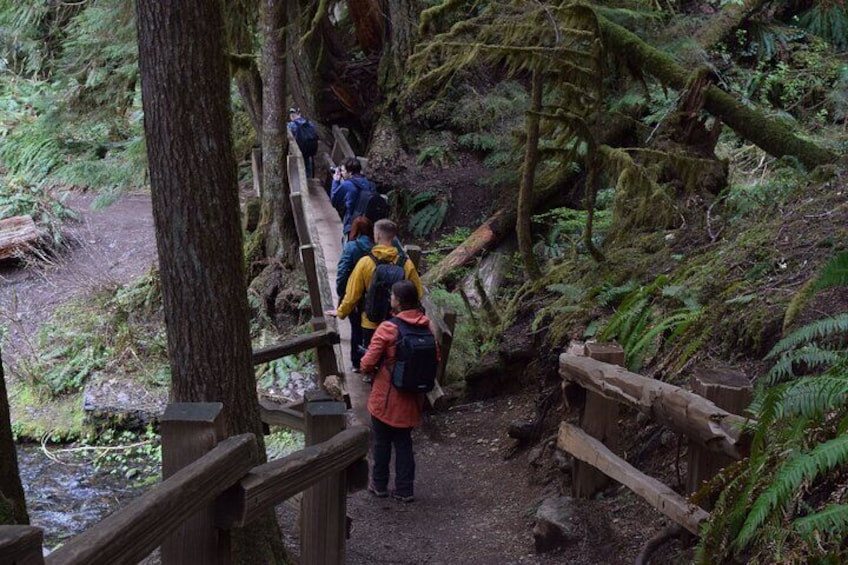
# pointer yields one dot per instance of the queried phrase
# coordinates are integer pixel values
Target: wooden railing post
(731, 391)
(599, 419)
(190, 431)
(326, 354)
(21, 545)
(323, 515)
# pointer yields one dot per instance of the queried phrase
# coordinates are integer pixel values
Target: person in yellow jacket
(385, 232)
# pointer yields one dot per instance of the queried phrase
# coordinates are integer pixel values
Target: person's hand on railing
(331, 313)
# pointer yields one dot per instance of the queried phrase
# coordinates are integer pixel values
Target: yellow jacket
(360, 279)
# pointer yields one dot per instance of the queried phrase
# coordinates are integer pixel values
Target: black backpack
(369, 202)
(307, 139)
(416, 361)
(378, 296)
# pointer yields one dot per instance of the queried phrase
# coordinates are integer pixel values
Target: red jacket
(386, 403)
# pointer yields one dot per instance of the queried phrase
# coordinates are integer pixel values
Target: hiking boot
(368, 379)
(378, 492)
(402, 498)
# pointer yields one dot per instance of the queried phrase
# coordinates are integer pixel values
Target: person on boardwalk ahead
(354, 195)
(306, 137)
(362, 285)
(359, 244)
(395, 411)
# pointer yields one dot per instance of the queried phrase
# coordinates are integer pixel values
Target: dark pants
(383, 437)
(367, 334)
(355, 337)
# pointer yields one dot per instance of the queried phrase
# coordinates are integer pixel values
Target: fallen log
(771, 135)
(586, 448)
(679, 409)
(17, 236)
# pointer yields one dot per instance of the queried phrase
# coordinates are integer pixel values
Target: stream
(66, 492)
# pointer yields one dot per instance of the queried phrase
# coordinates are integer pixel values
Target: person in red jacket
(393, 413)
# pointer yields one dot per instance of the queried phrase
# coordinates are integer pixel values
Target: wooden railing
(596, 369)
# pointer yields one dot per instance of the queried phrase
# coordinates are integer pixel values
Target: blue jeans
(383, 437)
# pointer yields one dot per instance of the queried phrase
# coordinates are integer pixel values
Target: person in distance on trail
(384, 251)
(304, 134)
(393, 412)
(348, 182)
(359, 244)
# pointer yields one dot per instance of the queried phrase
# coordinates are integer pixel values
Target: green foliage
(466, 347)
(651, 317)
(282, 442)
(828, 20)
(82, 126)
(132, 456)
(561, 230)
(121, 332)
(787, 502)
(429, 217)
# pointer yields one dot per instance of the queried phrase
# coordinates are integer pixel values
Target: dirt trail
(114, 245)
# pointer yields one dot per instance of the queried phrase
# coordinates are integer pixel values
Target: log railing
(191, 513)
(594, 368)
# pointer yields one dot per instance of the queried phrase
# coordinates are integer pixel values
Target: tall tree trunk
(185, 97)
(12, 503)
(768, 134)
(241, 18)
(277, 218)
(401, 36)
(528, 180)
(367, 17)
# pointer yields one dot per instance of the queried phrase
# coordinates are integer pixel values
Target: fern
(801, 468)
(429, 218)
(833, 518)
(826, 327)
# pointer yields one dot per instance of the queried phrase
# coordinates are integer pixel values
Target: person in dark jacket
(393, 413)
(360, 241)
(344, 192)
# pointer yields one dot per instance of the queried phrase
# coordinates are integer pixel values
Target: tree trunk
(401, 37)
(241, 18)
(276, 218)
(528, 178)
(185, 97)
(768, 134)
(12, 503)
(730, 17)
(368, 21)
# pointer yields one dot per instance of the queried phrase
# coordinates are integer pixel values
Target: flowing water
(67, 493)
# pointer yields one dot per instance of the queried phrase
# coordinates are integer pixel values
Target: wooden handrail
(274, 414)
(295, 345)
(679, 409)
(270, 484)
(131, 533)
(586, 448)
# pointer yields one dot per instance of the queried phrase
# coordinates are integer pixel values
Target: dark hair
(352, 165)
(406, 294)
(360, 226)
(294, 110)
